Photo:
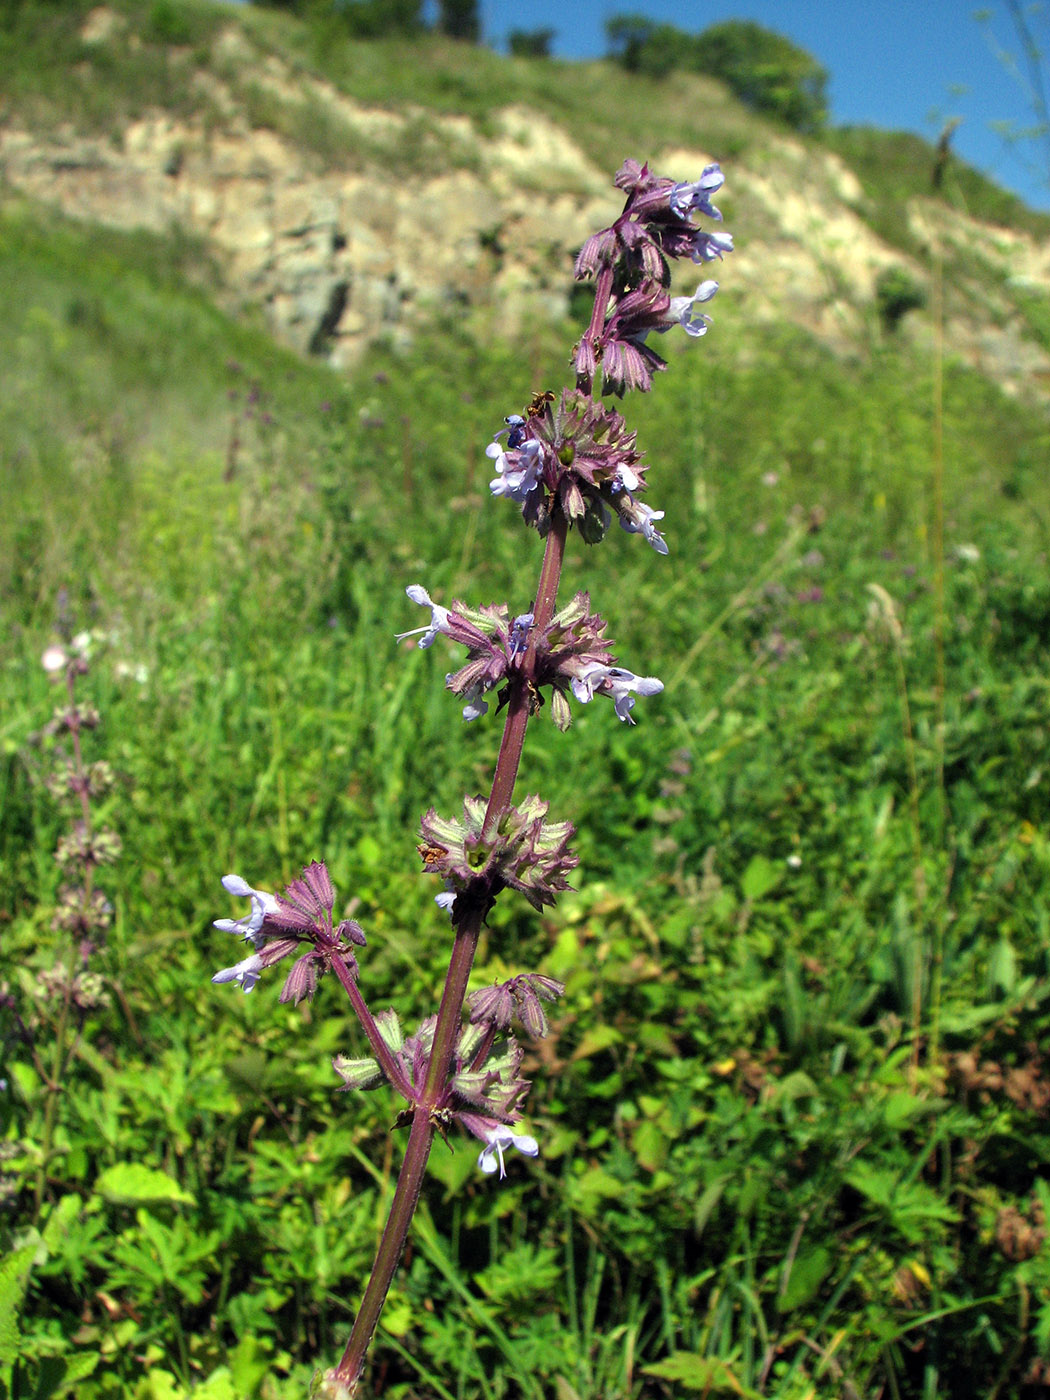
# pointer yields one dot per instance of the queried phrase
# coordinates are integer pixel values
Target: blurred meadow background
(794, 1108)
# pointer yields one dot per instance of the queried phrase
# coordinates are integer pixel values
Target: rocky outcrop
(336, 253)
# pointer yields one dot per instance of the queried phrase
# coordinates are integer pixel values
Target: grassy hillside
(793, 1110)
(56, 67)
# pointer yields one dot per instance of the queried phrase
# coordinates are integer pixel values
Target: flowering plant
(568, 461)
(66, 994)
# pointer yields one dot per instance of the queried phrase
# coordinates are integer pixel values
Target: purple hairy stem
(388, 1063)
(345, 1377)
(518, 717)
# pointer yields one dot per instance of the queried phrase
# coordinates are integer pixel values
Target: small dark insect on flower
(538, 402)
(516, 424)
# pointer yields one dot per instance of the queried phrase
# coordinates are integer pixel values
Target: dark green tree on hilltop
(763, 68)
(530, 43)
(361, 19)
(460, 19)
(643, 46)
(766, 71)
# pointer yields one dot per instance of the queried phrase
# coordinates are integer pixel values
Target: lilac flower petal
(250, 925)
(438, 617)
(245, 973)
(500, 1139)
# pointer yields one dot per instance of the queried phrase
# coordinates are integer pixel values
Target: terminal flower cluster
(630, 262)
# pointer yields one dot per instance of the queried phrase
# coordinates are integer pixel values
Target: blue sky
(905, 64)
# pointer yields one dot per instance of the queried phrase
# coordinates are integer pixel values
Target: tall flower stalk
(569, 462)
(65, 994)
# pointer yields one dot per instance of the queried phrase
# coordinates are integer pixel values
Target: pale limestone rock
(338, 255)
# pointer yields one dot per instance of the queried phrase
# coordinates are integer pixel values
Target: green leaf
(707, 1202)
(218, 1386)
(26, 1081)
(760, 877)
(808, 1272)
(132, 1184)
(598, 1183)
(650, 1145)
(369, 852)
(797, 1085)
(1002, 966)
(57, 1373)
(397, 1317)
(596, 1040)
(901, 1106)
(696, 1372)
(62, 1215)
(14, 1275)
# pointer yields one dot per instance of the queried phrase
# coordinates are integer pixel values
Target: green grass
(729, 1140)
(894, 166)
(795, 1093)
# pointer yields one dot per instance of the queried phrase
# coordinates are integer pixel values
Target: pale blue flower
(620, 684)
(709, 245)
(684, 198)
(639, 521)
(519, 633)
(249, 927)
(245, 973)
(498, 1140)
(626, 479)
(519, 469)
(438, 617)
(683, 312)
(475, 706)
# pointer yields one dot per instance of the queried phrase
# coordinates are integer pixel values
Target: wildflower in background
(54, 660)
